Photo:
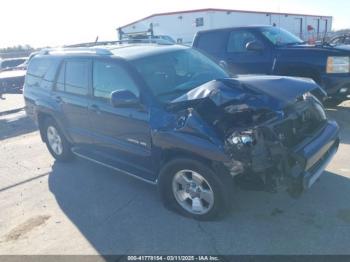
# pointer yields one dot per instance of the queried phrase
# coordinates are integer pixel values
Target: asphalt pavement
(48, 207)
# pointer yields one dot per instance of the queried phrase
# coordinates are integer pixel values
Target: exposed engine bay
(258, 132)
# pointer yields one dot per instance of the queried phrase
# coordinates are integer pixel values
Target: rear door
(71, 94)
(120, 132)
(243, 61)
(212, 43)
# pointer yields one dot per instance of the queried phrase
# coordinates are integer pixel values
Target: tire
(56, 142)
(184, 197)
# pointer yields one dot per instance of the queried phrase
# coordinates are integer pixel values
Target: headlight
(242, 138)
(338, 64)
(321, 112)
(307, 95)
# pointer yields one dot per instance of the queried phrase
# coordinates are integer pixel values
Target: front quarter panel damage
(234, 122)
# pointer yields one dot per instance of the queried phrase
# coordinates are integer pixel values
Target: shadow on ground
(121, 215)
(15, 123)
(342, 115)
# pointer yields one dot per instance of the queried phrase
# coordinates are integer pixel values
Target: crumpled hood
(273, 92)
(343, 47)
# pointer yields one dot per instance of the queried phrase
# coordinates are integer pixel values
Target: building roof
(220, 10)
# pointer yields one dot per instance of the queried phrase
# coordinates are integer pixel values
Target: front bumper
(275, 167)
(337, 86)
(314, 155)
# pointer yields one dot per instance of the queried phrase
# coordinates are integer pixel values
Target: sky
(42, 23)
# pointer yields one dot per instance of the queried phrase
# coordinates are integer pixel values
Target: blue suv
(169, 115)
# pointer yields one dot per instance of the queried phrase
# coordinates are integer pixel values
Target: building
(183, 25)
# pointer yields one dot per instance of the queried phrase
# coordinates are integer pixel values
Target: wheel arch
(216, 166)
(42, 117)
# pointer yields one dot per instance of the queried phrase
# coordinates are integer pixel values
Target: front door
(240, 60)
(120, 132)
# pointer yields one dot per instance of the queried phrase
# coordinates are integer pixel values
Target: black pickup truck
(274, 51)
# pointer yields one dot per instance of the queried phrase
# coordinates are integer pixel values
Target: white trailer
(183, 25)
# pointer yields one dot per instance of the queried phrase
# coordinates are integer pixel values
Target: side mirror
(255, 46)
(124, 98)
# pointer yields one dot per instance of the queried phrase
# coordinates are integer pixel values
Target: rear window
(212, 43)
(41, 72)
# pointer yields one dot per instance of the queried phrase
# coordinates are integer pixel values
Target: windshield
(172, 74)
(341, 40)
(279, 36)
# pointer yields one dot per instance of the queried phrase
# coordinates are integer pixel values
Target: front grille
(299, 125)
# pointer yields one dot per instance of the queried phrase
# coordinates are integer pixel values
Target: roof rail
(124, 41)
(96, 50)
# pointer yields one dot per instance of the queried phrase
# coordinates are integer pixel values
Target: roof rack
(147, 33)
(95, 50)
(124, 41)
(92, 44)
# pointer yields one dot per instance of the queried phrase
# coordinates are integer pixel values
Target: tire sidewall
(66, 153)
(219, 189)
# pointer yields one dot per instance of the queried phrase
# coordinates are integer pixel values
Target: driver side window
(109, 77)
(238, 40)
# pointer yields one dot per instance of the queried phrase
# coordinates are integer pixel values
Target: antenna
(325, 34)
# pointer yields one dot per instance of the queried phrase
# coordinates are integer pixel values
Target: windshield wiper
(294, 43)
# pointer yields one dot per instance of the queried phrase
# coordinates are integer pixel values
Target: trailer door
(299, 27)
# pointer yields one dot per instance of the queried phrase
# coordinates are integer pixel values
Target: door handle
(95, 108)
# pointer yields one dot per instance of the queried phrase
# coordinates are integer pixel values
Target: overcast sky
(57, 22)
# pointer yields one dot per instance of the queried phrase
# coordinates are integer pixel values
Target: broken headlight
(317, 106)
(307, 95)
(242, 138)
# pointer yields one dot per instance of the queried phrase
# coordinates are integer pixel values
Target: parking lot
(48, 207)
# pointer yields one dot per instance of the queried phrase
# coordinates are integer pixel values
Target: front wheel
(192, 189)
(56, 143)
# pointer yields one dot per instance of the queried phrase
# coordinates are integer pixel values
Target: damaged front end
(274, 132)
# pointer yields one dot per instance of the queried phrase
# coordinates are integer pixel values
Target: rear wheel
(56, 143)
(192, 189)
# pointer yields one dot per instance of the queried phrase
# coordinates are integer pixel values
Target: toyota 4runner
(170, 116)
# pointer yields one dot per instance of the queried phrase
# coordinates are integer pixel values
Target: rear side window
(238, 41)
(212, 43)
(38, 67)
(41, 72)
(109, 77)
